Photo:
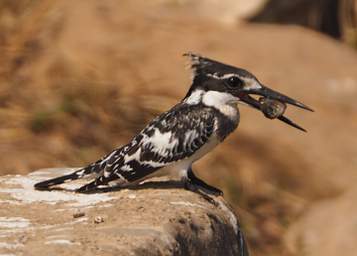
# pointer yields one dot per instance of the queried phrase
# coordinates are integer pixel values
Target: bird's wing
(173, 136)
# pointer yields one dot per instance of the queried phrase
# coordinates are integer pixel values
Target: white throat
(217, 99)
(226, 103)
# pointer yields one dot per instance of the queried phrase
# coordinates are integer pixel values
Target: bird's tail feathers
(45, 185)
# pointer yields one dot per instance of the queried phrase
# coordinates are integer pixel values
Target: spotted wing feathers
(172, 136)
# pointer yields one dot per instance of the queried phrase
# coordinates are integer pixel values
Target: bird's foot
(194, 187)
(193, 183)
(200, 191)
(189, 185)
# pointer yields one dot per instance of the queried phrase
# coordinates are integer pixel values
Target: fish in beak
(271, 103)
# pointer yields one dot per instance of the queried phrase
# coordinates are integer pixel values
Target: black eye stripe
(234, 82)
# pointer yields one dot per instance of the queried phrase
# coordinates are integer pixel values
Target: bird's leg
(193, 183)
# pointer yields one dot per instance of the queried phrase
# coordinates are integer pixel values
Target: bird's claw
(193, 183)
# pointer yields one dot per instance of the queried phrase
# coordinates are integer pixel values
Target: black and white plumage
(185, 133)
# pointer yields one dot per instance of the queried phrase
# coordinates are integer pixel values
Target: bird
(184, 134)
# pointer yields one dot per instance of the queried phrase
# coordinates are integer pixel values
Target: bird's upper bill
(245, 87)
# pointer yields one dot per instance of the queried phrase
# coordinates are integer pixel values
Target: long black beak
(271, 94)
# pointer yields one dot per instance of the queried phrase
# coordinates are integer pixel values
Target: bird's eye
(234, 82)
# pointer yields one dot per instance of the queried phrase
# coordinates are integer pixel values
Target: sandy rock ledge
(160, 218)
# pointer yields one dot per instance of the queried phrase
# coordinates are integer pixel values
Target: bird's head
(227, 84)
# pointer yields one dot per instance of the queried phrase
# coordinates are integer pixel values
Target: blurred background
(78, 78)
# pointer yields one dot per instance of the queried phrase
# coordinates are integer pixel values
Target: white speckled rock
(160, 218)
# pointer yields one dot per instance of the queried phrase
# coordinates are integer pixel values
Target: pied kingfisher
(192, 128)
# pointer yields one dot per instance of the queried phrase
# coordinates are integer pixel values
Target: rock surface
(156, 218)
(327, 228)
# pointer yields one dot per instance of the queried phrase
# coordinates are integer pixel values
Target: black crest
(202, 66)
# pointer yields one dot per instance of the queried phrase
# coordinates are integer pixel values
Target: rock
(328, 228)
(230, 11)
(156, 218)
